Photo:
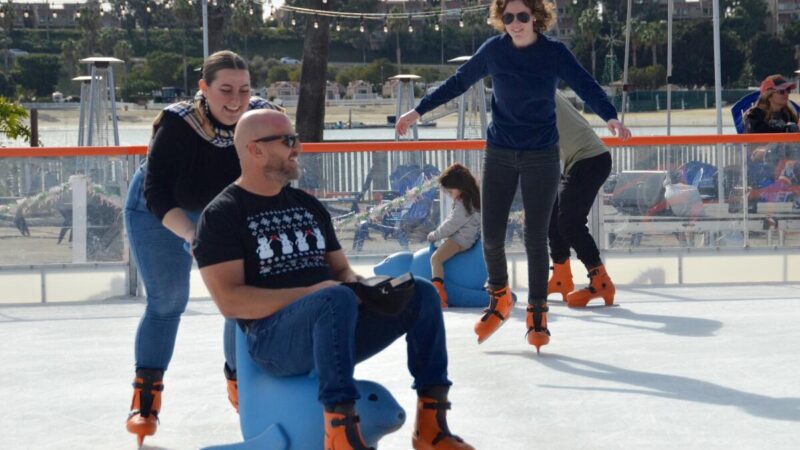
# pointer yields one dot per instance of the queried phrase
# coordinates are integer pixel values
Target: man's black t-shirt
(282, 239)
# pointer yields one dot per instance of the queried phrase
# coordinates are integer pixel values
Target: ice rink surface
(681, 367)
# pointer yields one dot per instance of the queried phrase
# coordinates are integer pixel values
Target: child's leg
(445, 251)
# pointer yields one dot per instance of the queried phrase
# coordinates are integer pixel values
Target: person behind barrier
(190, 160)
(462, 227)
(270, 258)
(773, 113)
(587, 165)
(521, 145)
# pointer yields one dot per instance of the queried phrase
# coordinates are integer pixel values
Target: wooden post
(34, 116)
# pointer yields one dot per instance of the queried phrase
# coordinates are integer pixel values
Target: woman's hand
(405, 121)
(618, 129)
(431, 237)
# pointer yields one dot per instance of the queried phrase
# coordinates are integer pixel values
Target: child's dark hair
(459, 177)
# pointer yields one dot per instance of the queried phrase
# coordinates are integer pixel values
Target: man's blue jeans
(537, 172)
(164, 266)
(329, 332)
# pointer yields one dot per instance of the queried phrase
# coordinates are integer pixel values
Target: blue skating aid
(281, 413)
(464, 274)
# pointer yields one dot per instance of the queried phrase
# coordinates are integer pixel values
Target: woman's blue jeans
(164, 267)
(537, 172)
(329, 332)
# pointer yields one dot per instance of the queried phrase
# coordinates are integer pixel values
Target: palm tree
(123, 50)
(185, 16)
(589, 27)
(89, 24)
(652, 36)
(246, 19)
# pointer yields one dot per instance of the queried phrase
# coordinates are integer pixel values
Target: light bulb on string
(385, 25)
(78, 15)
(338, 27)
(316, 23)
(461, 19)
(55, 15)
(26, 14)
(361, 25)
(251, 11)
(410, 26)
(294, 21)
(436, 26)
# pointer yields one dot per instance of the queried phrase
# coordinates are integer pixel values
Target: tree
(589, 30)
(38, 73)
(89, 24)
(122, 50)
(311, 101)
(70, 58)
(184, 14)
(693, 50)
(744, 18)
(163, 68)
(12, 120)
(7, 86)
(9, 17)
(653, 35)
(771, 55)
(246, 20)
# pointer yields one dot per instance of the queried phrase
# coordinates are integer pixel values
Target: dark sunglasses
(289, 140)
(783, 91)
(522, 17)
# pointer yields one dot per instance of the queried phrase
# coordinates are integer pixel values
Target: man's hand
(618, 129)
(405, 121)
(431, 237)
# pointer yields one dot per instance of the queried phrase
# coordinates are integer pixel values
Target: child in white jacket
(462, 227)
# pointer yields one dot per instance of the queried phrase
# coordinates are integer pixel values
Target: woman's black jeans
(576, 195)
(537, 171)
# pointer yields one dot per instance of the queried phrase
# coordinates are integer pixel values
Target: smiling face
(522, 34)
(227, 95)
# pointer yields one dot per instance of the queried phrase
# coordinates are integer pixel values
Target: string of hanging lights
(272, 9)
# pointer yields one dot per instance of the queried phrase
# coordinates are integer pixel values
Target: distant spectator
(773, 113)
(790, 175)
(21, 223)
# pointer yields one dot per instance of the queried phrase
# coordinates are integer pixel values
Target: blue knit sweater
(524, 81)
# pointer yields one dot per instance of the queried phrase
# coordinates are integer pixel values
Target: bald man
(270, 258)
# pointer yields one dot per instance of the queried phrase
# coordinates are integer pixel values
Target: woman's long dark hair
(459, 177)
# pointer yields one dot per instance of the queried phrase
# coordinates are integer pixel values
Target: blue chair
(281, 413)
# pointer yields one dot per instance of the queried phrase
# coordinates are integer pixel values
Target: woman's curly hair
(543, 13)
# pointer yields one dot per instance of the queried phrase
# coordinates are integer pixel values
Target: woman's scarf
(197, 115)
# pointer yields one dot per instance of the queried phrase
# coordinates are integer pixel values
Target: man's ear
(254, 150)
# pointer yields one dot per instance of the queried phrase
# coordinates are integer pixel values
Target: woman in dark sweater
(521, 145)
(190, 160)
(772, 113)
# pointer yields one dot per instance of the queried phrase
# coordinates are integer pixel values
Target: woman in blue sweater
(521, 145)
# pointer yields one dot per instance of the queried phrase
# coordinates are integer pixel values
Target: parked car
(289, 61)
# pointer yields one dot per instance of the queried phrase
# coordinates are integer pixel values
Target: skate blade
(481, 341)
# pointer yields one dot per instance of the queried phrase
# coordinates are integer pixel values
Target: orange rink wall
(406, 146)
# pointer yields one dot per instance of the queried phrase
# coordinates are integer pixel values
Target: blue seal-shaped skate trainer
(464, 274)
(280, 413)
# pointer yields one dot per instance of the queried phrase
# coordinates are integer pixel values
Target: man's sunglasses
(522, 17)
(289, 140)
